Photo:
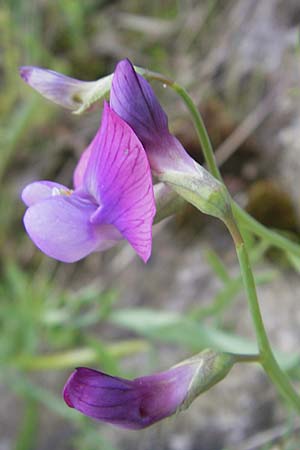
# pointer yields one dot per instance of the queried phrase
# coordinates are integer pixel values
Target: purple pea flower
(112, 199)
(133, 99)
(138, 403)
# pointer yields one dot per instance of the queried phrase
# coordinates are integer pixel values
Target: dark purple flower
(113, 199)
(133, 404)
(138, 403)
(65, 91)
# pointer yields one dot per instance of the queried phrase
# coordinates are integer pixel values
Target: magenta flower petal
(118, 176)
(129, 404)
(60, 226)
(40, 190)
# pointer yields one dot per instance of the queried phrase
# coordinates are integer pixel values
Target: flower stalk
(267, 358)
(79, 356)
(201, 131)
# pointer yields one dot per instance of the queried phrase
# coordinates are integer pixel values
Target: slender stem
(79, 356)
(247, 358)
(267, 359)
(201, 131)
(268, 235)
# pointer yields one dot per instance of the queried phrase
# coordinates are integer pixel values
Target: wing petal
(60, 227)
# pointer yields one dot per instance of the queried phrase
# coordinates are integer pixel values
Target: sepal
(200, 189)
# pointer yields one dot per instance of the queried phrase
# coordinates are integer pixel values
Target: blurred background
(240, 61)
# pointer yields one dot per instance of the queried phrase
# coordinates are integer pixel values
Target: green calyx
(202, 190)
(210, 368)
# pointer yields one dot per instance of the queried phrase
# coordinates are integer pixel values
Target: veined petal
(40, 190)
(133, 404)
(103, 397)
(63, 90)
(118, 176)
(133, 99)
(60, 226)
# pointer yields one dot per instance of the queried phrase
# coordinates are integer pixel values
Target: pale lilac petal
(56, 87)
(80, 169)
(118, 176)
(133, 99)
(40, 190)
(60, 226)
(166, 154)
(66, 91)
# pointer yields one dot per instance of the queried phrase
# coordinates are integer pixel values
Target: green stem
(247, 358)
(268, 235)
(201, 131)
(242, 216)
(80, 356)
(267, 359)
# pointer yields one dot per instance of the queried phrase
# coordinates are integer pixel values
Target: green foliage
(37, 322)
(27, 436)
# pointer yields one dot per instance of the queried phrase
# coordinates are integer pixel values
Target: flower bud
(66, 91)
(138, 403)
